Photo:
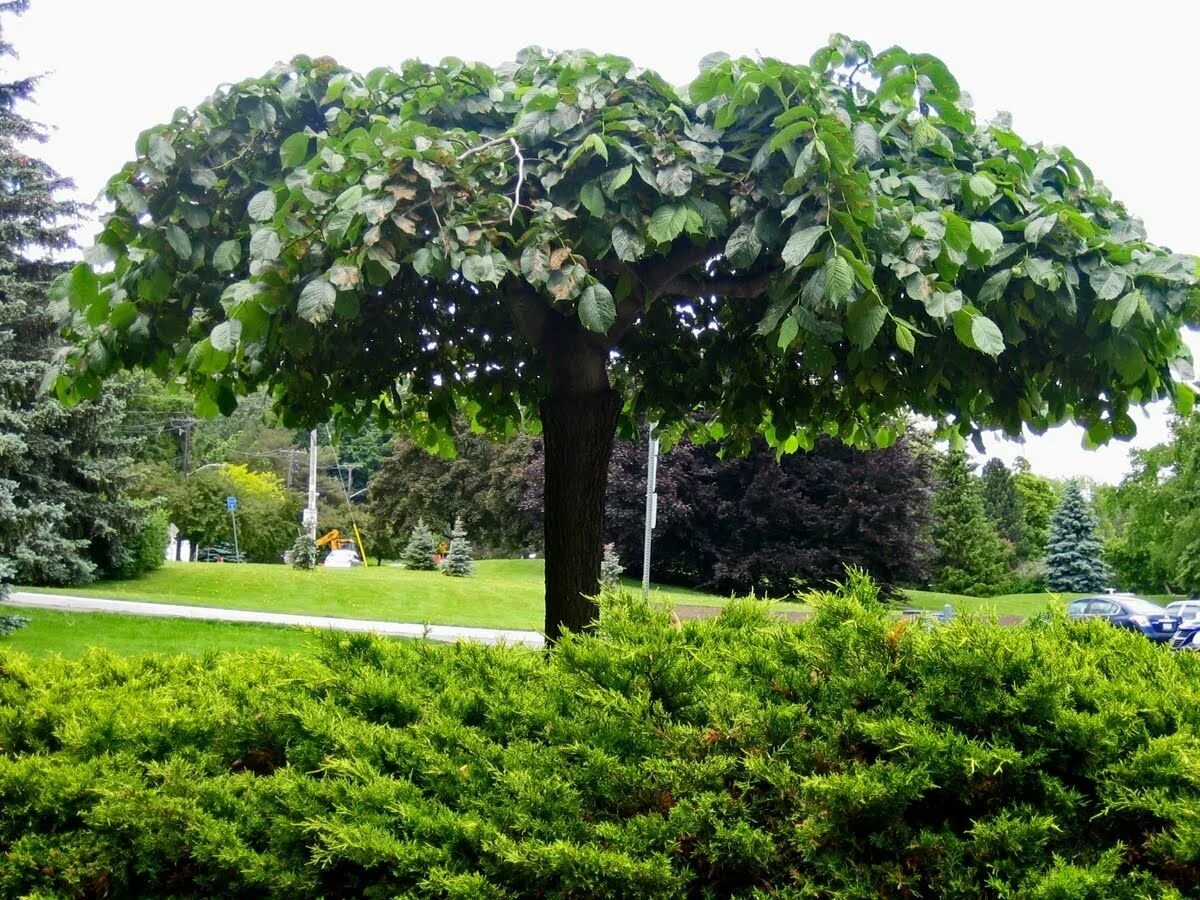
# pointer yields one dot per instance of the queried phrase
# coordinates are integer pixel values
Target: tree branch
(741, 288)
(516, 201)
(657, 275)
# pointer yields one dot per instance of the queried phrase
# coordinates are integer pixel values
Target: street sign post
(231, 503)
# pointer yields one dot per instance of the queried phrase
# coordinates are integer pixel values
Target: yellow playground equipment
(336, 541)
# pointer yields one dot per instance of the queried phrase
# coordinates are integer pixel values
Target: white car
(342, 559)
(1187, 610)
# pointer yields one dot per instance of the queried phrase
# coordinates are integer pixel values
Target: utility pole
(184, 426)
(291, 466)
(349, 467)
(651, 509)
(310, 512)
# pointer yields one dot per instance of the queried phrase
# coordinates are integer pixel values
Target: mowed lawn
(504, 593)
(72, 634)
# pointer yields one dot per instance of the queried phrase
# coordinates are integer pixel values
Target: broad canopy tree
(795, 249)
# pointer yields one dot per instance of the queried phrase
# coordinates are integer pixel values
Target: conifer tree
(1074, 554)
(458, 559)
(969, 557)
(1002, 502)
(421, 547)
(610, 568)
(64, 512)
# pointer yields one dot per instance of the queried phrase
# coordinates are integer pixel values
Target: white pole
(310, 514)
(651, 510)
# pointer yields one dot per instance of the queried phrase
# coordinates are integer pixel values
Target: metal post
(237, 551)
(651, 510)
(310, 513)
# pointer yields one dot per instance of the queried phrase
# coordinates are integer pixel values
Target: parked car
(1127, 611)
(342, 559)
(1186, 609)
(1187, 636)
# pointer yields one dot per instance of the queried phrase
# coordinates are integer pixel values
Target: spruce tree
(1074, 554)
(64, 513)
(1002, 502)
(458, 559)
(421, 547)
(610, 568)
(969, 557)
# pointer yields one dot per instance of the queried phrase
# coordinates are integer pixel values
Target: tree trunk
(579, 423)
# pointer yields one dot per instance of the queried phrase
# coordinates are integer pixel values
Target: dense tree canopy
(796, 248)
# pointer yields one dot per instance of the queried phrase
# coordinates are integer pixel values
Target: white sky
(1111, 81)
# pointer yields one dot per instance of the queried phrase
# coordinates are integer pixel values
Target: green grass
(505, 593)
(71, 634)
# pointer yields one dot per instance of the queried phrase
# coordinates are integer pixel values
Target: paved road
(446, 633)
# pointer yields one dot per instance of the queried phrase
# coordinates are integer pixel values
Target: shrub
(142, 541)
(9, 624)
(850, 756)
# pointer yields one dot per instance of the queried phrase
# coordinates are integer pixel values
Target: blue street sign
(231, 503)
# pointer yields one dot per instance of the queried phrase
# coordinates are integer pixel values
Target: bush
(421, 548)
(851, 756)
(143, 543)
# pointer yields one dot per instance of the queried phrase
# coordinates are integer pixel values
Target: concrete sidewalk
(444, 633)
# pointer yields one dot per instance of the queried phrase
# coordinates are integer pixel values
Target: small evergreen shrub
(9, 624)
(850, 756)
(421, 547)
(458, 557)
(304, 552)
(610, 568)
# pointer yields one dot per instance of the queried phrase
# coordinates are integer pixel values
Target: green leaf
(227, 256)
(958, 231)
(1039, 228)
(987, 336)
(82, 286)
(943, 303)
(986, 236)
(614, 180)
(261, 206)
(130, 198)
(674, 180)
(667, 223)
(225, 336)
(839, 278)
(535, 264)
(993, 288)
(1185, 399)
(316, 301)
(866, 142)
(1126, 308)
(788, 331)
(627, 243)
(981, 186)
(179, 241)
(904, 338)
(864, 318)
(1108, 283)
(1097, 435)
(592, 198)
(597, 311)
(801, 244)
(123, 314)
(161, 153)
(265, 244)
(481, 269)
(743, 247)
(293, 150)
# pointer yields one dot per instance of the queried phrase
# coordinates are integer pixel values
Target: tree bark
(579, 423)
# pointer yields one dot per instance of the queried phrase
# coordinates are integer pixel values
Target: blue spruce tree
(1074, 555)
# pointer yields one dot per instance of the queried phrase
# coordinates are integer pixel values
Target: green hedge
(851, 756)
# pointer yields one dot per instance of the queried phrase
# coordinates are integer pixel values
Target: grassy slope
(506, 593)
(71, 634)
